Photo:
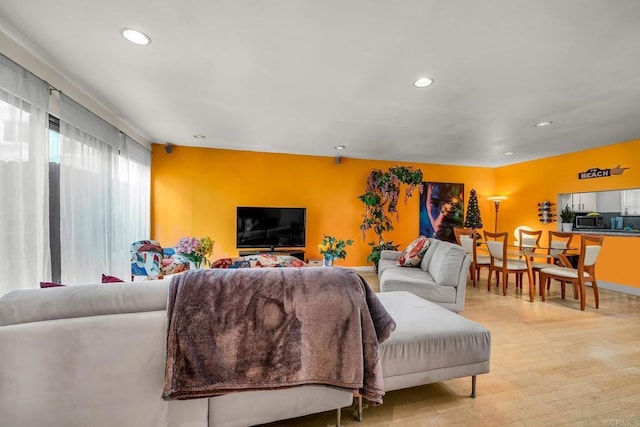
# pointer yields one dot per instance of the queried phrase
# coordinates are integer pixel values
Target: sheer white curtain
(104, 196)
(24, 226)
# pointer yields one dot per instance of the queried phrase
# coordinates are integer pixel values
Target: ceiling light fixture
(198, 136)
(508, 153)
(135, 36)
(543, 124)
(340, 147)
(423, 82)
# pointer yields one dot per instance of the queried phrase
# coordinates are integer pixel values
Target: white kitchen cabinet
(608, 201)
(630, 202)
(584, 202)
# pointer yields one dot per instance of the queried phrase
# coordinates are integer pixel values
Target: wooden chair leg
(544, 285)
(583, 295)
(596, 295)
(489, 280)
(505, 279)
(472, 272)
(562, 289)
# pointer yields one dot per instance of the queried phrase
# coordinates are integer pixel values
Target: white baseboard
(618, 288)
(364, 268)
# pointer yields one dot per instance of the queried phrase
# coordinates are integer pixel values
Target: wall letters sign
(601, 173)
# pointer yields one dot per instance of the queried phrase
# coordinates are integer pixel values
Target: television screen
(262, 227)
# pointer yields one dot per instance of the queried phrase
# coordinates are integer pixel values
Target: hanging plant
(381, 201)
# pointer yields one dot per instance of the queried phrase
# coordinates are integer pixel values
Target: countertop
(609, 232)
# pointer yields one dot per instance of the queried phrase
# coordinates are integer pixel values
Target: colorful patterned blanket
(258, 261)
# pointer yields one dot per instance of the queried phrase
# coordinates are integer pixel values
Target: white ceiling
(302, 76)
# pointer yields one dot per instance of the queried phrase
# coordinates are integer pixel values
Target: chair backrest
(529, 238)
(468, 239)
(498, 246)
(516, 233)
(146, 246)
(558, 242)
(146, 258)
(465, 237)
(590, 246)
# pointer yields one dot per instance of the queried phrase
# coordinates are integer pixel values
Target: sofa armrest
(391, 255)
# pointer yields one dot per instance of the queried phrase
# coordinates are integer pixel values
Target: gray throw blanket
(258, 329)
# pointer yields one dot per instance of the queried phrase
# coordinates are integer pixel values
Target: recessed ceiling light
(543, 124)
(340, 147)
(508, 153)
(135, 36)
(423, 82)
(198, 136)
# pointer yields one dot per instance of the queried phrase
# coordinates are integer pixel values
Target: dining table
(530, 252)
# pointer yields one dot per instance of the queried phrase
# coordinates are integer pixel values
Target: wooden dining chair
(500, 263)
(590, 246)
(468, 239)
(558, 243)
(529, 239)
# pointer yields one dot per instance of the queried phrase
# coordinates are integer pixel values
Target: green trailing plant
(567, 215)
(381, 201)
(376, 250)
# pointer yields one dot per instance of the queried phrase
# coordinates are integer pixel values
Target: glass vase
(327, 261)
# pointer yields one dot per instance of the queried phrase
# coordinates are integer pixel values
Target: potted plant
(567, 216)
(333, 248)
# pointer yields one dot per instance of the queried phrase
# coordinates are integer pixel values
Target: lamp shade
(497, 198)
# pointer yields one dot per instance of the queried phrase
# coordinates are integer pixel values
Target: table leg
(529, 260)
(564, 260)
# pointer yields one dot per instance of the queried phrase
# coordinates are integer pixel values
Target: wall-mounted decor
(601, 173)
(545, 212)
(441, 209)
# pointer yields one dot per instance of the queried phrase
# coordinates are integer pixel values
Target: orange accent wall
(529, 183)
(195, 192)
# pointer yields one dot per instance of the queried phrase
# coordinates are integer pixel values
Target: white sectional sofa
(94, 355)
(441, 277)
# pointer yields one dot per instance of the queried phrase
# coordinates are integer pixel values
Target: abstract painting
(441, 209)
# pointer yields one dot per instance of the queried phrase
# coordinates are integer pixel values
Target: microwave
(589, 221)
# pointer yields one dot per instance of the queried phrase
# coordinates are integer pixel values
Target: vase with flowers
(333, 248)
(196, 250)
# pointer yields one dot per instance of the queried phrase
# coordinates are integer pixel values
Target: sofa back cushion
(444, 263)
(426, 259)
(35, 305)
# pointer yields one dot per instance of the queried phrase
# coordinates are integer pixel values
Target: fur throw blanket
(258, 329)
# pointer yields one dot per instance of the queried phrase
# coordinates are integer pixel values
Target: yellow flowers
(333, 247)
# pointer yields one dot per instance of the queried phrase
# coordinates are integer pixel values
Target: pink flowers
(188, 245)
(196, 250)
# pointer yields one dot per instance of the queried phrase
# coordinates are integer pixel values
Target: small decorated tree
(473, 219)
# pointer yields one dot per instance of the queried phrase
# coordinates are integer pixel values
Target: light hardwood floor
(551, 364)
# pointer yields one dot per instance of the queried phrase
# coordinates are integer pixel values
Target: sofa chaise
(440, 278)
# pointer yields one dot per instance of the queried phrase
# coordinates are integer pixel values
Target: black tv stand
(298, 253)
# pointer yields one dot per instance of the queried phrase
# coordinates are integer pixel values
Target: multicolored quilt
(258, 261)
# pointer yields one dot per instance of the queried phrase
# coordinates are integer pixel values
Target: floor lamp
(496, 201)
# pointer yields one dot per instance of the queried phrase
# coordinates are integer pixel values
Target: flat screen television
(268, 227)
